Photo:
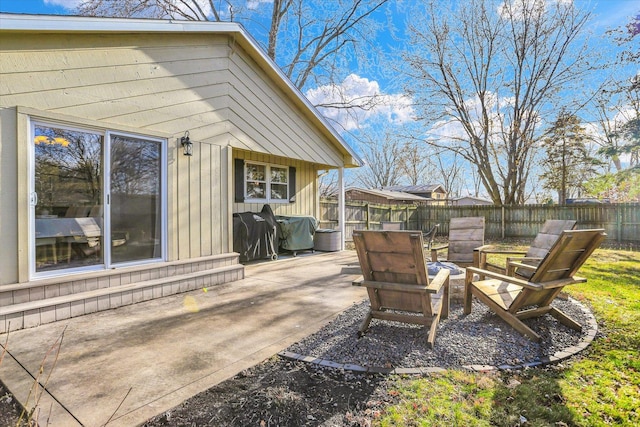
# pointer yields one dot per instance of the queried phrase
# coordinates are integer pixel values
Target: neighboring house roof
(424, 188)
(80, 24)
(478, 200)
(389, 195)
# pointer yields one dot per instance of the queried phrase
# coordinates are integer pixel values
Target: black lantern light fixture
(187, 145)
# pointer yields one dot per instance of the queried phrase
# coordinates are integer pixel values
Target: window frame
(268, 183)
(106, 134)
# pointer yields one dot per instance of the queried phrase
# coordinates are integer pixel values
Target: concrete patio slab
(126, 365)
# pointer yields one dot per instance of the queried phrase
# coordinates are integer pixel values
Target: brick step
(40, 311)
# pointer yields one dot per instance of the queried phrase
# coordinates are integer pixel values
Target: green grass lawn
(599, 387)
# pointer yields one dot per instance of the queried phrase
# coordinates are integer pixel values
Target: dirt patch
(281, 392)
(10, 409)
(277, 392)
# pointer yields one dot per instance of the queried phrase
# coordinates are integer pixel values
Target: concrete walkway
(126, 365)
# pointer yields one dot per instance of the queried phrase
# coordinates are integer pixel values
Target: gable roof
(424, 188)
(473, 198)
(390, 195)
(23, 23)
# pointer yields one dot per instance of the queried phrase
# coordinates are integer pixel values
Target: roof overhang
(80, 24)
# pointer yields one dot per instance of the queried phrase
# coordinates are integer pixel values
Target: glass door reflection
(68, 211)
(135, 206)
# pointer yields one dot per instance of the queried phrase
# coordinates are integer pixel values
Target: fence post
(367, 218)
(502, 222)
(406, 217)
(619, 223)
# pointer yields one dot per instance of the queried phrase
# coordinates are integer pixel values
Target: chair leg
(446, 301)
(467, 292)
(519, 326)
(511, 319)
(564, 319)
(365, 324)
(431, 338)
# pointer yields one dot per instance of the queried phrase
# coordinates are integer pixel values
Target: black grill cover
(255, 235)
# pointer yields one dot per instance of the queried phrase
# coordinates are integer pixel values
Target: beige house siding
(158, 85)
(271, 129)
(155, 79)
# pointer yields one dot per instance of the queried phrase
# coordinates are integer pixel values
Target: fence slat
(620, 221)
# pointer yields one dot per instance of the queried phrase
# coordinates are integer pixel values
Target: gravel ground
(285, 392)
(481, 338)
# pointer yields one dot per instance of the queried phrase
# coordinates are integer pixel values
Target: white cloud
(516, 8)
(254, 4)
(366, 99)
(451, 130)
(67, 4)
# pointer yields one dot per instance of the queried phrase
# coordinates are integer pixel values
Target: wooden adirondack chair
(465, 235)
(546, 237)
(515, 299)
(395, 274)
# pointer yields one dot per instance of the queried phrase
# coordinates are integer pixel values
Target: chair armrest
(358, 281)
(563, 282)
(499, 276)
(514, 263)
(525, 284)
(490, 250)
(525, 258)
(519, 264)
(441, 279)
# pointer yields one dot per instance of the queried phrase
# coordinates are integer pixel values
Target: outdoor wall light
(187, 145)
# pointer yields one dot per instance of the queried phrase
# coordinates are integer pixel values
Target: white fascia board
(66, 23)
(83, 24)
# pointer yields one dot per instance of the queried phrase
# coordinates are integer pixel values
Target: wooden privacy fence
(620, 221)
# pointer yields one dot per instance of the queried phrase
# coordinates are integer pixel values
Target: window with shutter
(257, 182)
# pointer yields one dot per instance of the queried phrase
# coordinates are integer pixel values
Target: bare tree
(449, 171)
(485, 75)
(415, 163)
(308, 39)
(383, 162)
(193, 10)
(320, 37)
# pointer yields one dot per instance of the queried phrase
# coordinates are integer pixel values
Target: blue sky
(396, 108)
(611, 13)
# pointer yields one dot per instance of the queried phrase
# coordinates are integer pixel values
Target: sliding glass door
(97, 199)
(135, 199)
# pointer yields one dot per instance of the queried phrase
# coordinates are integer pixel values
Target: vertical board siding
(201, 220)
(206, 206)
(620, 221)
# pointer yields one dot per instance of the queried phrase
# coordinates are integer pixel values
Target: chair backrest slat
(548, 235)
(567, 255)
(544, 241)
(465, 234)
(394, 256)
